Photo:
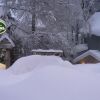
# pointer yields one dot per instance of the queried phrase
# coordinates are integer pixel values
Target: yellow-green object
(2, 26)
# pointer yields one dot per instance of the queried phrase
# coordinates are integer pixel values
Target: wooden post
(7, 58)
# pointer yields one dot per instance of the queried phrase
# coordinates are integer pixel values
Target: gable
(92, 54)
(5, 40)
(88, 59)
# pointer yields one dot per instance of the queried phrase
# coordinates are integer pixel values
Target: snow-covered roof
(93, 53)
(5, 36)
(50, 50)
(94, 22)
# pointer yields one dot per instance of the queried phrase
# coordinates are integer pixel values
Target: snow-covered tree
(88, 8)
(52, 24)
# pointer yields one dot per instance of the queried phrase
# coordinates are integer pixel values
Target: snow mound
(94, 22)
(27, 64)
(49, 78)
(89, 68)
(7, 78)
(53, 83)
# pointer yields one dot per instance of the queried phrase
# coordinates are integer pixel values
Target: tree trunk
(7, 58)
(33, 15)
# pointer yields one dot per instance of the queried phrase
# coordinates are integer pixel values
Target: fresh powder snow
(49, 78)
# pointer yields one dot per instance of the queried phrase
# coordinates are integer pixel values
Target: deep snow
(49, 78)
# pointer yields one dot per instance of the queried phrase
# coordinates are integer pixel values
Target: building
(90, 56)
(91, 32)
(6, 45)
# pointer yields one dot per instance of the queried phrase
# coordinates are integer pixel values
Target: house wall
(88, 59)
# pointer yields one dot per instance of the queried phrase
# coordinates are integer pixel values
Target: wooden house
(90, 56)
(6, 44)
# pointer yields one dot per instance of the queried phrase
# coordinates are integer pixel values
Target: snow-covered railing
(47, 52)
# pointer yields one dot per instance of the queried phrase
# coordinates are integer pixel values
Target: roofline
(89, 52)
(5, 36)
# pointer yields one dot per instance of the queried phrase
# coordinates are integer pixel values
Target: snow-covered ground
(49, 78)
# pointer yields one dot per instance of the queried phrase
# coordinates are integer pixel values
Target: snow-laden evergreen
(41, 24)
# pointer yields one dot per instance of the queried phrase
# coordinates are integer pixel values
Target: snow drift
(27, 64)
(49, 78)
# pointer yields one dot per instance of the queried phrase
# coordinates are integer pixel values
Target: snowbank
(27, 64)
(89, 68)
(94, 22)
(7, 78)
(50, 78)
